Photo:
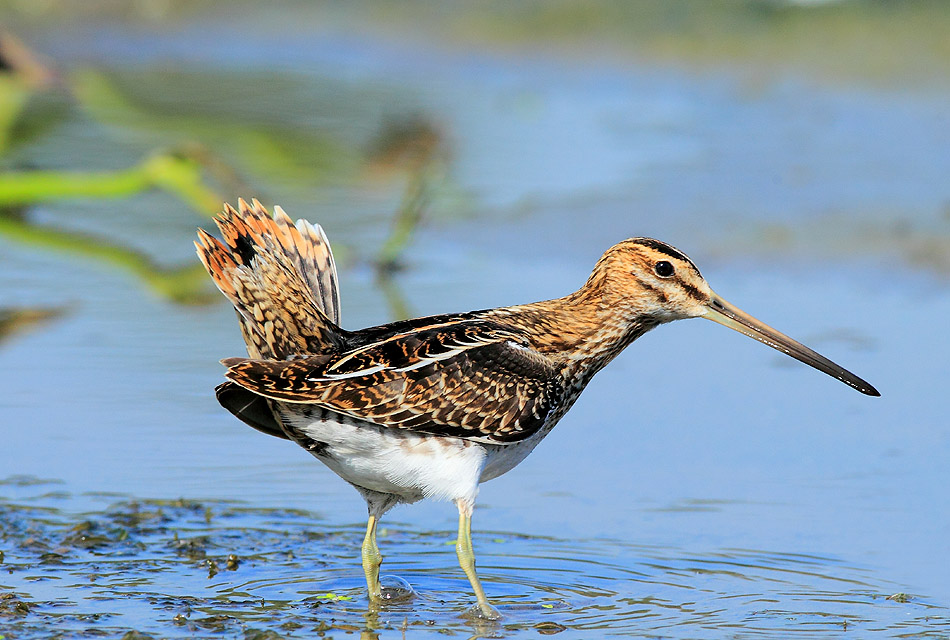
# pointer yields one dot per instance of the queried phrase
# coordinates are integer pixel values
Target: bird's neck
(581, 330)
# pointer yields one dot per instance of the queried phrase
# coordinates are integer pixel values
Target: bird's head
(645, 278)
(649, 282)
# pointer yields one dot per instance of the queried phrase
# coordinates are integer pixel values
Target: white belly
(403, 463)
(409, 465)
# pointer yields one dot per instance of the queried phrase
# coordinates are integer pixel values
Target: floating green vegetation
(329, 595)
(175, 174)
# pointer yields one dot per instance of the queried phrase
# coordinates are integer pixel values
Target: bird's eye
(663, 269)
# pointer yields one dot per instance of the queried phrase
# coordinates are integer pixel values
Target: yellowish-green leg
(371, 560)
(463, 547)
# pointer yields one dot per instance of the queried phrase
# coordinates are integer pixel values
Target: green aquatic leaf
(177, 175)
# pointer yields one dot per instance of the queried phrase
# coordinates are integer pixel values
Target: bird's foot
(482, 611)
(395, 589)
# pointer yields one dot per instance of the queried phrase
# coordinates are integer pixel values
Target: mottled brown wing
(467, 379)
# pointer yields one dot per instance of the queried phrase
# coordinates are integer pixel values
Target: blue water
(702, 486)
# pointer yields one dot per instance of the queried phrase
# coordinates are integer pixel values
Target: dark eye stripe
(659, 293)
(665, 249)
(692, 291)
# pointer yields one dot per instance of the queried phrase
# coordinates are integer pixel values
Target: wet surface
(702, 486)
(180, 568)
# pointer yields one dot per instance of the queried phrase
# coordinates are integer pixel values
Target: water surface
(703, 485)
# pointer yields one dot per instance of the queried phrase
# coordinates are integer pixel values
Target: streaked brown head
(647, 279)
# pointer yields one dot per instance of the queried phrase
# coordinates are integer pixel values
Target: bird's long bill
(731, 316)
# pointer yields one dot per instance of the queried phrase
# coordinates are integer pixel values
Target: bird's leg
(372, 559)
(463, 547)
(376, 504)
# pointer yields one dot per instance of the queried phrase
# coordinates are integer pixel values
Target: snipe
(432, 407)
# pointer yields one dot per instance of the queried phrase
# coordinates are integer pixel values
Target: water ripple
(180, 568)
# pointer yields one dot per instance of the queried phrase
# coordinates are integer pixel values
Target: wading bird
(431, 407)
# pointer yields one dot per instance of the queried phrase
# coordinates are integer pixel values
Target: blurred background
(462, 156)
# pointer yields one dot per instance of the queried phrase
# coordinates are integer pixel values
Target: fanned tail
(280, 277)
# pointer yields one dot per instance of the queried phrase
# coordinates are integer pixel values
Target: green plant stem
(179, 176)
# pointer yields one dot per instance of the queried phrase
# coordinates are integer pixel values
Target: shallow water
(179, 568)
(702, 486)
